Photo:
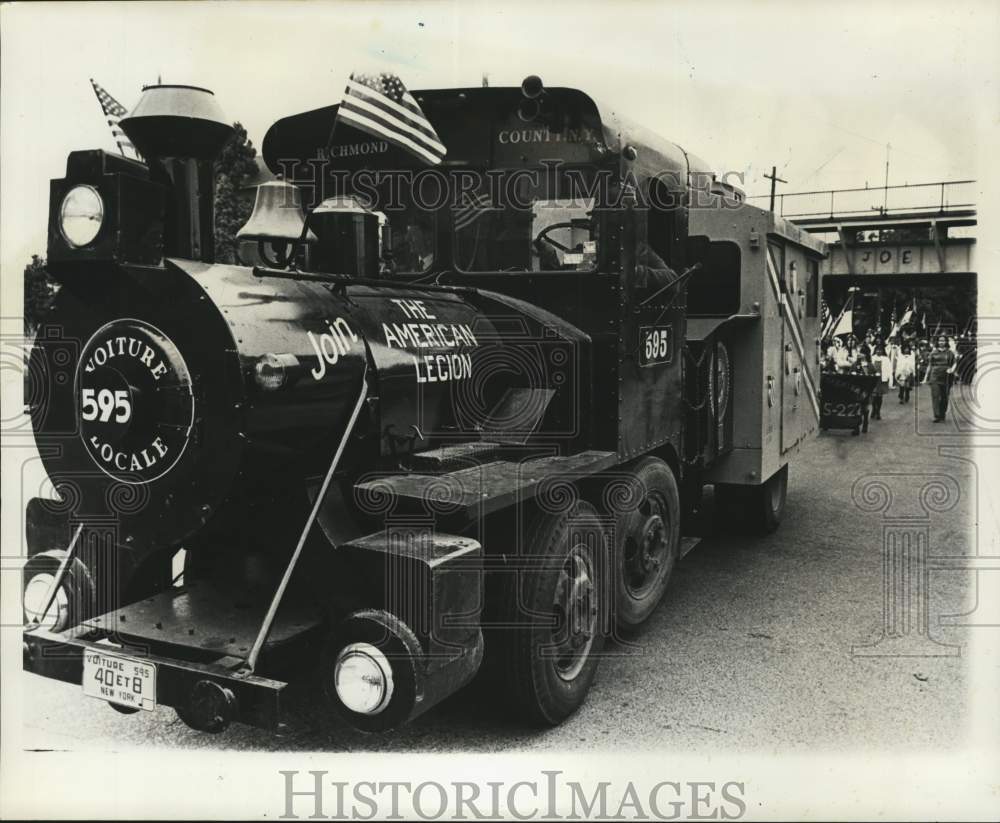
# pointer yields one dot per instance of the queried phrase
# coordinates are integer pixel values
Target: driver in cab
(651, 270)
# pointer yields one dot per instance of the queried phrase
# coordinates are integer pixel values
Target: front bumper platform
(246, 698)
(197, 638)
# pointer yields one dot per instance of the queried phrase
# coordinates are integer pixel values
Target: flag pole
(333, 128)
(847, 304)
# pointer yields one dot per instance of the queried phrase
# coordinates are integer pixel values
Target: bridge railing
(941, 197)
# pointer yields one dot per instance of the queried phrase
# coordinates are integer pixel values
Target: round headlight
(81, 215)
(363, 678)
(271, 370)
(35, 594)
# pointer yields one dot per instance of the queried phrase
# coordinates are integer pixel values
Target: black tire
(754, 509)
(544, 676)
(647, 540)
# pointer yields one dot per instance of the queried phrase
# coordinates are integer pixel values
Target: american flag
(473, 207)
(380, 105)
(826, 320)
(114, 111)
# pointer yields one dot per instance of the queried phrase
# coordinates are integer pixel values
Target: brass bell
(277, 223)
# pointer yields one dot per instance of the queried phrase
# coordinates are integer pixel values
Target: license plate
(119, 680)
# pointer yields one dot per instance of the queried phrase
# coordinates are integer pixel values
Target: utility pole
(773, 177)
(885, 190)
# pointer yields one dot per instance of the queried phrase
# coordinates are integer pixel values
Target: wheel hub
(653, 541)
(576, 606)
(646, 546)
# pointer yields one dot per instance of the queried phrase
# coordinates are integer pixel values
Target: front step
(481, 490)
(449, 458)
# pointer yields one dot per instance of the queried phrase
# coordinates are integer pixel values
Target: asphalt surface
(755, 647)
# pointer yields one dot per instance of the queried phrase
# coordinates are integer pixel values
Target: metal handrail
(863, 213)
(868, 188)
(272, 611)
(942, 206)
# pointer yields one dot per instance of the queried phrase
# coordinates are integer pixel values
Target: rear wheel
(554, 615)
(754, 509)
(647, 541)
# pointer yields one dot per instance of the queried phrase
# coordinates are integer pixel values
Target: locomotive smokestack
(179, 130)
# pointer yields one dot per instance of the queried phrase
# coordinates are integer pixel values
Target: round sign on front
(135, 402)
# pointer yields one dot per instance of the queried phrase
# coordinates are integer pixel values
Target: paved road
(751, 650)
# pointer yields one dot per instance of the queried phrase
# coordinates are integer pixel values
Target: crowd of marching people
(901, 362)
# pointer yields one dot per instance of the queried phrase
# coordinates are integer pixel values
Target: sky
(817, 90)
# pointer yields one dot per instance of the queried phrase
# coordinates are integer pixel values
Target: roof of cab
(300, 136)
(654, 154)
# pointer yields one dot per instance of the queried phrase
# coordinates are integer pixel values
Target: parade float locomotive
(400, 445)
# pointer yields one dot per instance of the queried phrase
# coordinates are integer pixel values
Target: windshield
(408, 237)
(407, 230)
(521, 220)
(537, 225)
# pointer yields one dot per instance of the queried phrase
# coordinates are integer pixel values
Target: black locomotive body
(412, 429)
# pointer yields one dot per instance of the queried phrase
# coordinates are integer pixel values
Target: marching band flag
(843, 323)
(380, 105)
(113, 112)
(898, 324)
(846, 323)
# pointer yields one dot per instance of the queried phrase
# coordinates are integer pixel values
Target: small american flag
(114, 111)
(380, 105)
(826, 321)
(473, 207)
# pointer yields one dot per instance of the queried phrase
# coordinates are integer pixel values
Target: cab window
(408, 233)
(533, 227)
(714, 290)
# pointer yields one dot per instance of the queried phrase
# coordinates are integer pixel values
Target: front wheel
(754, 509)
(555, 614)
